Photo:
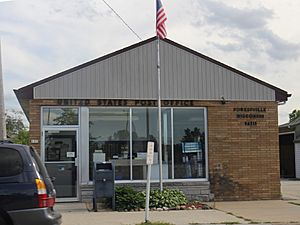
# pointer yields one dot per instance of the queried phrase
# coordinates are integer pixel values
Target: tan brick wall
(35, 131)
(243, 160)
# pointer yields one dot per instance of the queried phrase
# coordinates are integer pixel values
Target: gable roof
(294, 122)
(27, 92)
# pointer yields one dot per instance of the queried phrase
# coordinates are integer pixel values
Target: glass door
(60, 156)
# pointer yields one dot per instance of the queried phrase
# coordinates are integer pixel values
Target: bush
(129, 199)
(167, 198)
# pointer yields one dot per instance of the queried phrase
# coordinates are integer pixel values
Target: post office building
(219, 126)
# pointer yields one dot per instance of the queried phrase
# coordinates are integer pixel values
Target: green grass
(155, 223)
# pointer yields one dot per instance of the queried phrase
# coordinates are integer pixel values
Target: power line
(123, 20)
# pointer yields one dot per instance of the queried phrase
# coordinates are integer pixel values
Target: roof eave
(26, 92)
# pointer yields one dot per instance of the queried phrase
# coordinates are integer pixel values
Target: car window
(40, 167)
(11, 162)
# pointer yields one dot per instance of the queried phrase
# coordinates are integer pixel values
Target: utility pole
(2, 108)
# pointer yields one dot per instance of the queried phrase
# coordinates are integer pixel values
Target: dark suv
(27, 195)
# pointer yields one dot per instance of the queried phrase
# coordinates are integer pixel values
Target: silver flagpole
(159, 119)
(2, 109)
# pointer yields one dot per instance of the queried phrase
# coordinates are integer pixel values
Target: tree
(16, 130)
(192, 135)
(22, 137)
(294, 115)
(68, 117)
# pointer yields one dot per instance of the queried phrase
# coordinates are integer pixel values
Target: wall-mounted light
(223, 101)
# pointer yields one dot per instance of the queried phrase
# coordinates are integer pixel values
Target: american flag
(160, 20)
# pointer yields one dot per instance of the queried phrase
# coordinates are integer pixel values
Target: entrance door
(61, 161)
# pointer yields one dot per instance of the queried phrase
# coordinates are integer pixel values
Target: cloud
(42, 38)
(245, 29)
(222, 14)
(278, 48)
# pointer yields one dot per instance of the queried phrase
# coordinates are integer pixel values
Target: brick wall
(243, 159)
(243, 153)
(35, 131)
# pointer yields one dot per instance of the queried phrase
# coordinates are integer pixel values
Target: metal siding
(140, 73)
(130, 80)
(85, 82)
(257, 92)
(186, 75)
(194, 87)
(72, 82)
(142, 77)
(107, 78)
(204, 78)
(229, 90)
(125, 70)
(133, 75)
(176, 78)
(165, 70)
(93, 80)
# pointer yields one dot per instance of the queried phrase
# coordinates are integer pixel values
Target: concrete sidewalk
(269, 211)
(290, 189)
(277, 211)
(76, 214)
(245, 212)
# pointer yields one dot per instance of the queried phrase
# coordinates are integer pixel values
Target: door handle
(76, 161)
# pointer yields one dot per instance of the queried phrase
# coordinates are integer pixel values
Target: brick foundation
(199, 190)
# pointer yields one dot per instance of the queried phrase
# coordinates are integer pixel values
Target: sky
(40, 38)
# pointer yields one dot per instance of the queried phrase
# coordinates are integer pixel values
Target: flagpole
(2, 109)
(159, 119)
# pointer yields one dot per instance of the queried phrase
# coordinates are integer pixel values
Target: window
(109, 139)
(144, 129)
(167, 149)
(11, 162)
(60, 116)
(121, 135)
(189, 143)
(39, 165)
